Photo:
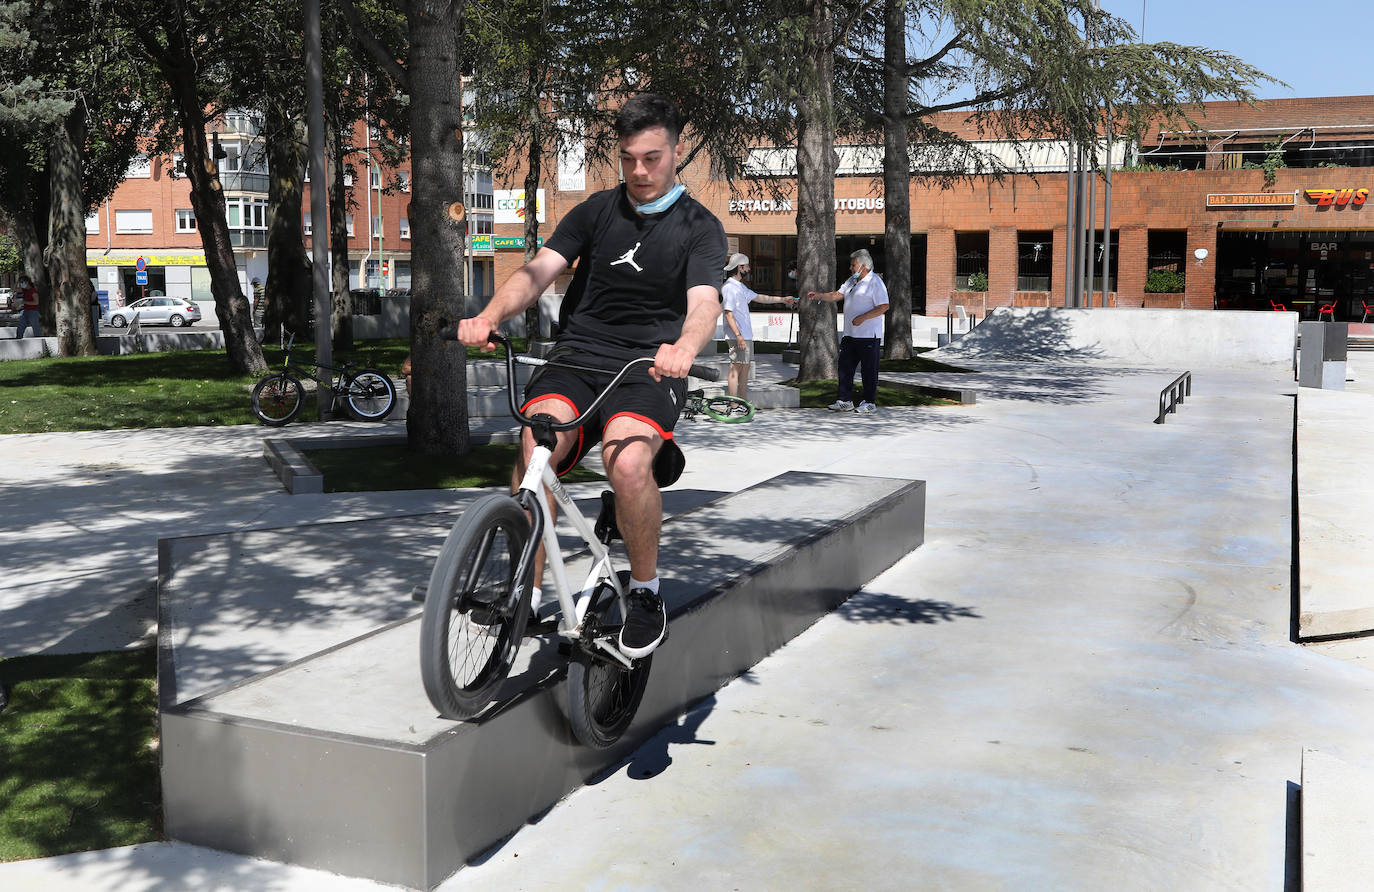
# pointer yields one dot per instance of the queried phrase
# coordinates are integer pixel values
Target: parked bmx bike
(477, 603)
(278, 398)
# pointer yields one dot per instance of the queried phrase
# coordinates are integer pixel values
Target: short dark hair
(646, 110)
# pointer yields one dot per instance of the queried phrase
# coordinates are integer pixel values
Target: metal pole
(1080, 222)
(319, 211)
(1070, 230)
(1110, 283)
(1092, 234)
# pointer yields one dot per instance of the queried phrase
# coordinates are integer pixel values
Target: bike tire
(370, 395)
(728, 409)
(603, 696)
(473, 619)
(277, 399)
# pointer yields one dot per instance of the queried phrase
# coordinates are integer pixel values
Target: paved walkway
(1084, 678)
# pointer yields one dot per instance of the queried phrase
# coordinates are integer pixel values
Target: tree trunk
(27, 208)
(534, 169)
(816, 198)
(207, 200)
(341, 304)
(437, 421)
(896, 177)
(70, 287)
(288, 265)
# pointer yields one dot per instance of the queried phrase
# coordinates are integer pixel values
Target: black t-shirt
(640, 267)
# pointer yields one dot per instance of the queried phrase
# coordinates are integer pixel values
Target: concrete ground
(1084, 677)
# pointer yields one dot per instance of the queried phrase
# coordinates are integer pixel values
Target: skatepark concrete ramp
(334, 759)
(1120, 336)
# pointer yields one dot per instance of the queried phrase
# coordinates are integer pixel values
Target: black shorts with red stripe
(657, 403)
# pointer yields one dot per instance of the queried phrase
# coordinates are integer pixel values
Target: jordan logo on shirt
(629, 257)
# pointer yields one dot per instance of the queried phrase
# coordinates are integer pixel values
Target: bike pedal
(418, 593)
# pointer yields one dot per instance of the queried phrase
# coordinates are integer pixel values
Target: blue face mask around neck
(663, 202)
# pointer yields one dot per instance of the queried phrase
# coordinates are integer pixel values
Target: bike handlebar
(450, 333)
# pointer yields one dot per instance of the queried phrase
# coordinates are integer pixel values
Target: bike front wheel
(370, 395)
(277, 399)
(603, 695)
(728, 409)
(475, 608)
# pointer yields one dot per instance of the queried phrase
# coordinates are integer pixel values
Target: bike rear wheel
(728, 409)
(277, 399)
(475, 609)
(370, 395)
(603, 695)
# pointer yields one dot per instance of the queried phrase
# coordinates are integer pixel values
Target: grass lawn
(373, 468)
(78, 757)
(819, 394)
(185, 388)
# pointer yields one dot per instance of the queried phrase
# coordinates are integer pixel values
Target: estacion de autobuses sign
(786, 205)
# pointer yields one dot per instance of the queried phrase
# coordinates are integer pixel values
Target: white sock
(536, 597)
(651, 585)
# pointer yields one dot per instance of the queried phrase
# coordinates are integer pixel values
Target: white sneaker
(866, 408)
(841, 406)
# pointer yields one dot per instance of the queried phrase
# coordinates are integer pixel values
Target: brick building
(150, 216)
(1304, 240)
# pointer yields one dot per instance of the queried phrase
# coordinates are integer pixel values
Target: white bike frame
(540, 476)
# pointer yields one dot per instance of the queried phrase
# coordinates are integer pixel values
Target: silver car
(157, 311)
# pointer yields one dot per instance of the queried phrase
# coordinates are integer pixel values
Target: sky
(1319, 47)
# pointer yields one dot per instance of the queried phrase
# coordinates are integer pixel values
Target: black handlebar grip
(705, 372)
(448, 333)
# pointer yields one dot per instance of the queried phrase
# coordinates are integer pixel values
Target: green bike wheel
(728, 409)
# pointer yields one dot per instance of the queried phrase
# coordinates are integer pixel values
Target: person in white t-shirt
(735, 297)
(865, 302)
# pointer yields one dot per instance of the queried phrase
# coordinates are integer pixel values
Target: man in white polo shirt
(865, 301)
(735, 297)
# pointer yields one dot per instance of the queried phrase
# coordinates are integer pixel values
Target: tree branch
(916, 68)
(988, 96)
(380, 53)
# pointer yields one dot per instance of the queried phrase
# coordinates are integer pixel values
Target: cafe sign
(1251, 200)
(1338, 197)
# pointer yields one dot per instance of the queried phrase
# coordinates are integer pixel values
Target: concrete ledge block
(1337, 819)
(338, 762)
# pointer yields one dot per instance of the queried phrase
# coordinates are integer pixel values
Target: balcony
(241, 181)
(248, 238)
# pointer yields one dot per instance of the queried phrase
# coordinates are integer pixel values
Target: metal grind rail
(1171, 396)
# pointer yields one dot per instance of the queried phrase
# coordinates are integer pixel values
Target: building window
(186, 221)
(348, 225)
(376, 227)
(93, 223)
(305, 224)
(970, 261)
(134, 221)
(246, 213)
(403, 179)
(1034, 260)
(405, 227)
(1104, 281)
(479, 224)
(374, 177)
(139, 168)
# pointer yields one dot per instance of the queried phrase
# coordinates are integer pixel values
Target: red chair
(1368, 308)
(1277, 306)
(1327, 310)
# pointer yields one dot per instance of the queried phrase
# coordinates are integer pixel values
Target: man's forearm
(700, 325)
(516, 295)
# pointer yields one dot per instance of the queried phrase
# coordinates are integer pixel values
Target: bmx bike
(725, 409)
(278, 398)
(477, 603)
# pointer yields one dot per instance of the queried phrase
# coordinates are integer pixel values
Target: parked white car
(7, 300)
(157, 311)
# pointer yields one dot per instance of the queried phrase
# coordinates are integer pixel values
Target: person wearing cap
(735, 297)
(865, 302)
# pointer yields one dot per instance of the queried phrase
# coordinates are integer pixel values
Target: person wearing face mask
(646, 284)
(735, 297)
(865, 302)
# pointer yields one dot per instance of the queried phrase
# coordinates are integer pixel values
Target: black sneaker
(646, 626)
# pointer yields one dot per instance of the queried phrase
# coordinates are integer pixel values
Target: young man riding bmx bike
(646, 284)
